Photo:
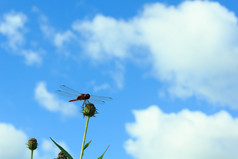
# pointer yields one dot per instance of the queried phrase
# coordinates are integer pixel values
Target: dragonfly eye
(87, 96)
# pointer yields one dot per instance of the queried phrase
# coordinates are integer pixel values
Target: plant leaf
(87, 144)
(63, 150)
(103, 153)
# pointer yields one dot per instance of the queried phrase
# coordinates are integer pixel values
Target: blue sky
(170, 67)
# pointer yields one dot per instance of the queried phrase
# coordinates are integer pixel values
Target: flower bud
(89, 110)
(61, 156)
(32, 144)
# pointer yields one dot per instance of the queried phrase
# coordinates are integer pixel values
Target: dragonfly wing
(96, 101)
(100, 97)
(63, 93)
(67, 89)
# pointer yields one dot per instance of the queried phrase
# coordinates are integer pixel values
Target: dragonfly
(78, 96)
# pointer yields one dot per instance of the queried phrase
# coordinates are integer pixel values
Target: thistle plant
(89, 110)
(61, 155)
(32, 145)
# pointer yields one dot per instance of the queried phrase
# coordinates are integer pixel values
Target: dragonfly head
(87, 96)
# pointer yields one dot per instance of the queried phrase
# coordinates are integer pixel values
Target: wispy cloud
(191, 47)
(50, 102)
(101, 87)
(118, 75)
(32, 57)
(61, 38)
(13, 28)
(58, 38)
(185, 134)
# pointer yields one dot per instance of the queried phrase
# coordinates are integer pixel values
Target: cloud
(51, 149)
(13, 142)
(50, 102)
(106, 37)
(185, 134)
(118, 75)
(46, 29)
(59, 39)
(192, 47)
(12, 27)
(101, 87)
(32, 57)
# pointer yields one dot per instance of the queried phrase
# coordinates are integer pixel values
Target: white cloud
(51, 149)
(32, 57)
(118, 75)
(52, 103)
(185, 134)
(106, 37)
(13, 142)
(101, 87)
(12, 27)
(47, 30)
(61, 38)
(193, 47)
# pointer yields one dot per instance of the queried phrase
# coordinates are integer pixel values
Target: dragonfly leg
(84, 103)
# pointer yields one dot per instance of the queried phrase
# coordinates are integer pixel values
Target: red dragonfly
(66, 91)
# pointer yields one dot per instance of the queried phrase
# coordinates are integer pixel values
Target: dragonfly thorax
(83, 97)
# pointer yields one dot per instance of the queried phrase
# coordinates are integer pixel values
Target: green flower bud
(61, 156)
(32, 144)
(89, 110)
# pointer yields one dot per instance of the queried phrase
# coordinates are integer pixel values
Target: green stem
(84, 136)
(31, 154)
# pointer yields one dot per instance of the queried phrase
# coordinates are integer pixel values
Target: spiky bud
(61, 156)
(32, 144)
(89, 110)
